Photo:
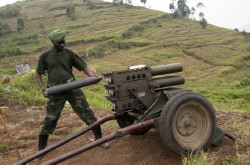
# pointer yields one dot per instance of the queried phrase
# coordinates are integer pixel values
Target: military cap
(57, 35)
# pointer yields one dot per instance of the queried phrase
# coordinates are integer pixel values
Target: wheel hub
(186, 124)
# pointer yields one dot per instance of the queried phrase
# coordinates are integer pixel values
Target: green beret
(57, 35)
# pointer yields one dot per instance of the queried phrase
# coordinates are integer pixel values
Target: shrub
(91, 5)
(4, 29)
(10, 11)
(70, 11)
(20, 25)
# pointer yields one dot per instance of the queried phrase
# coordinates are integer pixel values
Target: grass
(4, 147)
(26, 89)
(7, 72)
(199, 158)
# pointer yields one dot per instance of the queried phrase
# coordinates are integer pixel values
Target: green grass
(199, 158)
(7, 71)
(96, 96)
(4, 147)
(26, 89)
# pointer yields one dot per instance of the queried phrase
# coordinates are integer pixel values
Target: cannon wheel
(125, 120)
(187, 123)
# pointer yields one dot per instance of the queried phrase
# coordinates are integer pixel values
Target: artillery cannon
(143, 97)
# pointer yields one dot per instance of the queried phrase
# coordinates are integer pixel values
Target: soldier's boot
(98, 135)
(42, 143)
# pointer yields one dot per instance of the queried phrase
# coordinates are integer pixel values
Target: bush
(10, 11)
(91, 5)
(134, 29)
(10, 51)
(20, 25)
(70, 11)
(4, 29)
(203, 23)
(118, 44)
(243, 83)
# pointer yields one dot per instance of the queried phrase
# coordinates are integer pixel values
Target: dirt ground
(25, 123)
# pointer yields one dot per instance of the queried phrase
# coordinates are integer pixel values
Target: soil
(24, 124)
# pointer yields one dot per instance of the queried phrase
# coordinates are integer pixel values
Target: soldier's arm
(39, 79)
(88, 72)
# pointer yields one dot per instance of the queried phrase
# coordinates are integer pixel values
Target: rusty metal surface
(120, 133)
(66, 140)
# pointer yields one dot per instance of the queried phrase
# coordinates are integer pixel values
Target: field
(216, 64)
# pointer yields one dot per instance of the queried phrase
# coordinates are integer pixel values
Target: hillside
(111, 37)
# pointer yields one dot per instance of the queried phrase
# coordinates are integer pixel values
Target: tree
(20, 25)
(183, 8)
(203, 23)
(200, 5)
(244, 33)
(91, 5)
(144, 2)
(192, 12)
(201, 15)
(236, 29)
(172, 7)
(70, 11)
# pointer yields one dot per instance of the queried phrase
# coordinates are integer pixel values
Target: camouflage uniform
(59, 69)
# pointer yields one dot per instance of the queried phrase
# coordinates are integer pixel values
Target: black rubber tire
(187, 123)
(126, 120)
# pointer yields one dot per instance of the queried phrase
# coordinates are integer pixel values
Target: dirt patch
(247, 63)
(25, 122)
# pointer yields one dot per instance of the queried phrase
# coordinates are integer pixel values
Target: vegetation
(70, 11)
(91, 5)
(20, 25)
(199, 158)
(181, 9)
(4, 29)
(203, 23)
(10, 11)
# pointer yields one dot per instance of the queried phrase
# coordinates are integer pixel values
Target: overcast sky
(230, 14)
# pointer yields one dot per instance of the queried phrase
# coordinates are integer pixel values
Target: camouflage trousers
(55, 105)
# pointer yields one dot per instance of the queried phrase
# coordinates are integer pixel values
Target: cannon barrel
(72, 85)
(166, 69)
(168, 81)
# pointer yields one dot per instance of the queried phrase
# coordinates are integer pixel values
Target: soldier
(58, 63)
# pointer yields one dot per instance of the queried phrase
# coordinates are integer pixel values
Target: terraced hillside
(216, 60)
(43, 16)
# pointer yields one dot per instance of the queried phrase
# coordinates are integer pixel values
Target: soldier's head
(57, 37)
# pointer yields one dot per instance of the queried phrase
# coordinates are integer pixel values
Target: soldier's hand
(44, 91)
